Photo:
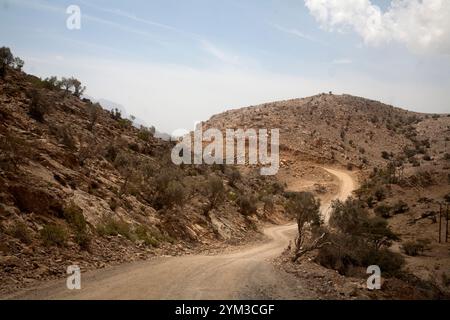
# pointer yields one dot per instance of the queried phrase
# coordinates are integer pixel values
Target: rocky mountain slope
(402, 159)
(82, 185)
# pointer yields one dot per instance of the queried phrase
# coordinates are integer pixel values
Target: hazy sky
(173, 62)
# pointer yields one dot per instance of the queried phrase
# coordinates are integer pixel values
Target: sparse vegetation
(414, 248)
(54, 235)
(38, 106)
(169, 191)
(145, 134)
(72, 85)
(74, 216)
(144, 234)
(12, 152)
(93, 110)
(215, 191)
(7, 60)
(113, 227)
(20, 231)
(65, 136)
(359, 241)
(247, 205)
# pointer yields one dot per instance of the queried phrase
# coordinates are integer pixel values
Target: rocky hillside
(402, 160)
(82, 185)
(331, 128)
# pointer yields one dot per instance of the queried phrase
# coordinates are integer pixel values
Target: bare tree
(306, 208)
(78, 88)
(66, 85)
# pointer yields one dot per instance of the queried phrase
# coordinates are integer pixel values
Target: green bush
(144, 234)
(268, 203)
(73, 214)
(52, 234)
(145, 134)
(38, 106)
(174, 194)
(83, 239)
(247, 204)
(169, 191)
(379, 193)
(215, 191)
(111, 227)
(20, 231)
(233, 176)
(345, 254)
(400, 207)
(383, 211)
(389, 262)
(64, 135)
(358, 240)
(415, 248)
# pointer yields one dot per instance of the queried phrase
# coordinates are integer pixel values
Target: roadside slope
(244, 274)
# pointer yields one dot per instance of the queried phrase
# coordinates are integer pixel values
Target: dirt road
(346, 186)
(246, 274)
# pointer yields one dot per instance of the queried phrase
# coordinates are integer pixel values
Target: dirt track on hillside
(245, 274)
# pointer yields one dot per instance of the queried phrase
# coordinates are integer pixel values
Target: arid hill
(336, 128)
(81, 185)
(402, 159)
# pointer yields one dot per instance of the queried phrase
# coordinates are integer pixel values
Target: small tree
(306, 208)
(174, 194)
(38, 106)
(216, 192)
(12, 151)
(93, 111)
(66, 85)
(18, 63)
(116, 114)
(247, 205)
(6, 59)
(78, 88)
(146, 133)
(348, 216)
(51, 83)
(125, 164)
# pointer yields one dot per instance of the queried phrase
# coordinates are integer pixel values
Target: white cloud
(423, 26)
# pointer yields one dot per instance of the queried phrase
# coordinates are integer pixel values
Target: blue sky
(172, 63)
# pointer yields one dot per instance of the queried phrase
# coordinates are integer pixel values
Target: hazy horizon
(172, 64)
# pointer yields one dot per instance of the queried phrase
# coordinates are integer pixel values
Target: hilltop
(400, 158)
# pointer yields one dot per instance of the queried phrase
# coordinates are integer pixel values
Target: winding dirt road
(246, 274)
